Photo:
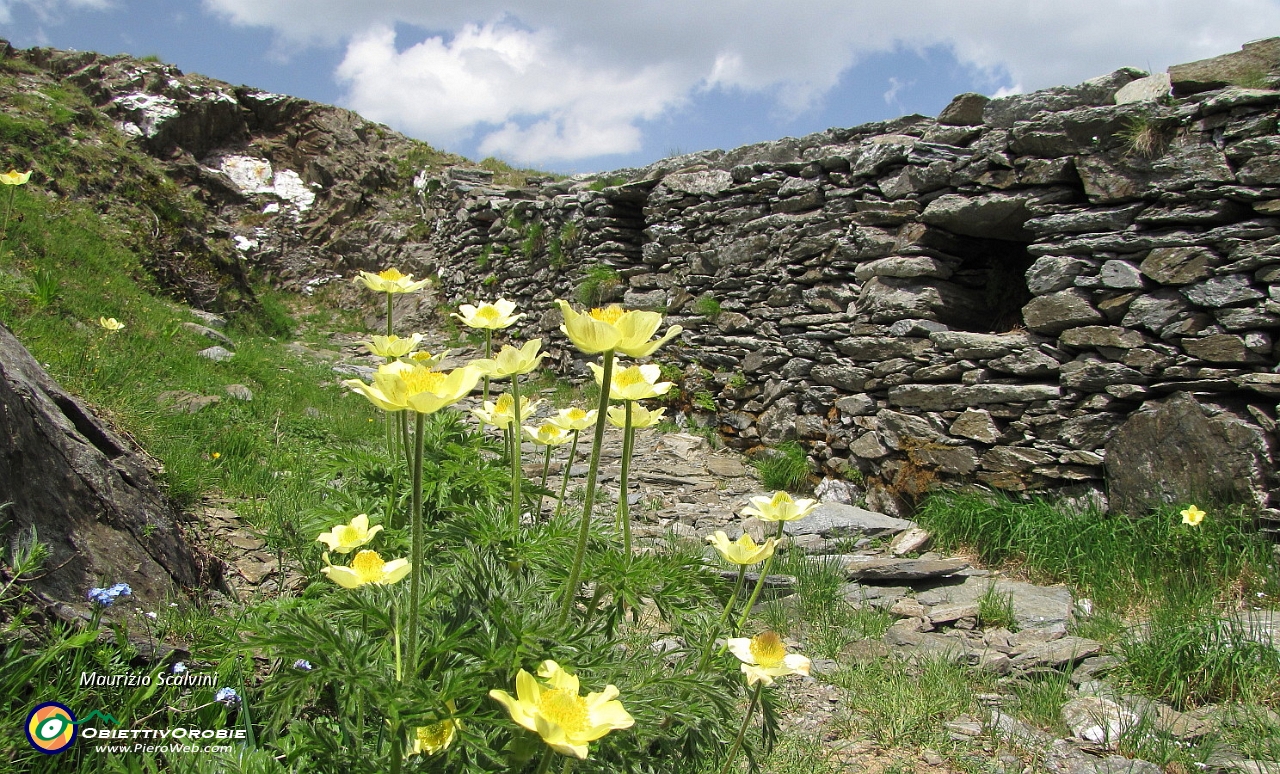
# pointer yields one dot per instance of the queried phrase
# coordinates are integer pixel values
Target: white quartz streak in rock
(252, 175)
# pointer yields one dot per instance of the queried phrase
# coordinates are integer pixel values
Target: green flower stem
(397, 751)
(404, 438)
(390, 312)
(415, 571)
(546, 468)
(584, 529)
(395, 631)
(516, 429)
(568, 466)
(596, 596)
(544, 765)
(624, 505)
(4, 230)
(724, 617)
(737, 589)
(742, 732)
(488, 353)
(568, 764)
(394, 518)
(755, 593)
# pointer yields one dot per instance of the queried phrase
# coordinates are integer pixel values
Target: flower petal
(741, 647)
(343, 576)
(518, 709)
(394, 570)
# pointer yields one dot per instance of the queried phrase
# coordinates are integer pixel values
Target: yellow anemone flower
(1193, 516)
(613, 327)
(423, 357)
(594, 331)
(398, 386)
(431, 739)
(14, 177)
(345, 538)
(574, 418)
(392, 346)
(493, 316)
(780, 507)
(764, 657)
(548, 434)
(554, 710)
(502, 413)
(390, 281)
(111, 324)
(744, 550)
(641, 417)
(634, 382)
(367, 567)
(637, 327)
(511, 361)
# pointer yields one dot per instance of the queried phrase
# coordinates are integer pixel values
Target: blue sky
(586, 85)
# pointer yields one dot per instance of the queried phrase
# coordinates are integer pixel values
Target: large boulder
(89, 495)
(1257, 59)
(1175, 453)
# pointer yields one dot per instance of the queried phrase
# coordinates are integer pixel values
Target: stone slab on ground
(839, 520)
(1034, 607)
(1057, 653)
(880, 568)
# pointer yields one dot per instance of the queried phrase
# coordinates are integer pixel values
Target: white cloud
(49, 10)
(549, 103)
(572, 80)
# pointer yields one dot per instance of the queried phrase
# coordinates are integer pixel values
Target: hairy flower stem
(391, 444)
(405, 445)
(624, 504)
(395, 630)
(544, 765)
(724, 617)
(584, 529)
(8, 208)
(488, 353)
(546, 468)
(742, 732)
(568, 466)
(415, 570)
(755, 593)
(596, 596)
(397, 751)
(516, 472)
(737, 589)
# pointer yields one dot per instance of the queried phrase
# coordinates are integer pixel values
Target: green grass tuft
(1121, 562)
(784, 467)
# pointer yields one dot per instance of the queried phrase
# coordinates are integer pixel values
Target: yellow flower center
(768, 650)
(576, 414)
(630, 377)
(423, 380)
(368, 565)
(610, 314)
(488, 313)
(779, 499)
(505, 404)
(436, 736)
(347, 534)
(564, 708)
(390, 274)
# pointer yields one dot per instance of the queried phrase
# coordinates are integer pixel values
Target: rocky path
(682, 488)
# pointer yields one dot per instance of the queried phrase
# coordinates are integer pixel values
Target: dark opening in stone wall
(998, 276)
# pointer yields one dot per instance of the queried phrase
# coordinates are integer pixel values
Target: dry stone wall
(985, 296)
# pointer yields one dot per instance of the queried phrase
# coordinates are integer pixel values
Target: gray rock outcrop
(87, 493)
